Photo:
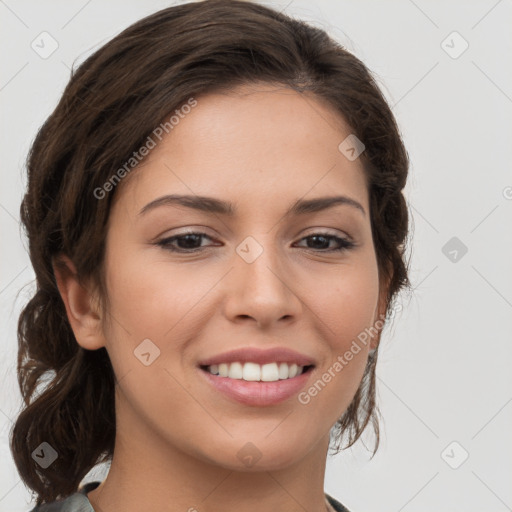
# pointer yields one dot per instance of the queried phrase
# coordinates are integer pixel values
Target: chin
(259, 454)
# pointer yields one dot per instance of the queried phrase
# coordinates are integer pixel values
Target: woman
(217, 226)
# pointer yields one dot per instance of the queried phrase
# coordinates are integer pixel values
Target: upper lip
(260, 356)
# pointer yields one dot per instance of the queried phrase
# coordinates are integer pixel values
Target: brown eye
(321, 242)
(188, 242)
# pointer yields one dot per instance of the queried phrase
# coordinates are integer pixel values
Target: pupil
(321, 238)
(188, 241)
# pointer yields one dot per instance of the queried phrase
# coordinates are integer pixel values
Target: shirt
(78, 502)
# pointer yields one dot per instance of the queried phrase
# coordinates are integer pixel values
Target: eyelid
(326, 231)
(201, 230)
(193, 230)
(345, 243)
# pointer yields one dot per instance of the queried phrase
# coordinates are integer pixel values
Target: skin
(261, 148)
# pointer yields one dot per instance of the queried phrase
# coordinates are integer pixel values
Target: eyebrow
(217, 206)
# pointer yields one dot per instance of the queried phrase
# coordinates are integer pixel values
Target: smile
(246, 383)
(254, 372)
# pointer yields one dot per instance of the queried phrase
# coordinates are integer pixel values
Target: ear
(82, 306)
(380, 313)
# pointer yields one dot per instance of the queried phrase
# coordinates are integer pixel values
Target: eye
(187, 242)
(191, 242)
(321, 241)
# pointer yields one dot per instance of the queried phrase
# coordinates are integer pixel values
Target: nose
(263, 291)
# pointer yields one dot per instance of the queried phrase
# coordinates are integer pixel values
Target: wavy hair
(112, 103)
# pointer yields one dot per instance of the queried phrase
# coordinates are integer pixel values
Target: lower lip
(257, 393)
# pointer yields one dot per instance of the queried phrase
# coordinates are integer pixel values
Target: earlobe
(81, 305)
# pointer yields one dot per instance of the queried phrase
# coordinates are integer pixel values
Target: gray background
(444, 369)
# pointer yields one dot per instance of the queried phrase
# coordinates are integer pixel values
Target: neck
(146, 470)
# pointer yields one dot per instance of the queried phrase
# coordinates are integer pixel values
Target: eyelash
(344, 244)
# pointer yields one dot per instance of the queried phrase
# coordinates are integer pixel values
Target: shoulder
(336, 505)
(76, 502)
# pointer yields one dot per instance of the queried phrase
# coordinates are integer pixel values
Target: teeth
(283, 371)
(223, 369)
(236, 371)
(270, 372)
(251, 371)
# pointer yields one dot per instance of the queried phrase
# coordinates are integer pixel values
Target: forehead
(261, 143)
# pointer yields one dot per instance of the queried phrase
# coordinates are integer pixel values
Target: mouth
(257, 378)
(254, 372)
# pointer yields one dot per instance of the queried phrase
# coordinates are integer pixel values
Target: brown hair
(112, 103)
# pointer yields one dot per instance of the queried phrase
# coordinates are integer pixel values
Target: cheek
(156, 301)
(346, 302)
(148, 302)
(349, 314)
(347, 310)
(149, 299)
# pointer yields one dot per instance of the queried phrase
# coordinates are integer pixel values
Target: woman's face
(253, 284)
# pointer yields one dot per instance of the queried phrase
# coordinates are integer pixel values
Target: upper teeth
(255, 372)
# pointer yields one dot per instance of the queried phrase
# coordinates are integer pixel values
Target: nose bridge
(259, 285)
(258, 261)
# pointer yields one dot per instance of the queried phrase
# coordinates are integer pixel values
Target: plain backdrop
(444, 378)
